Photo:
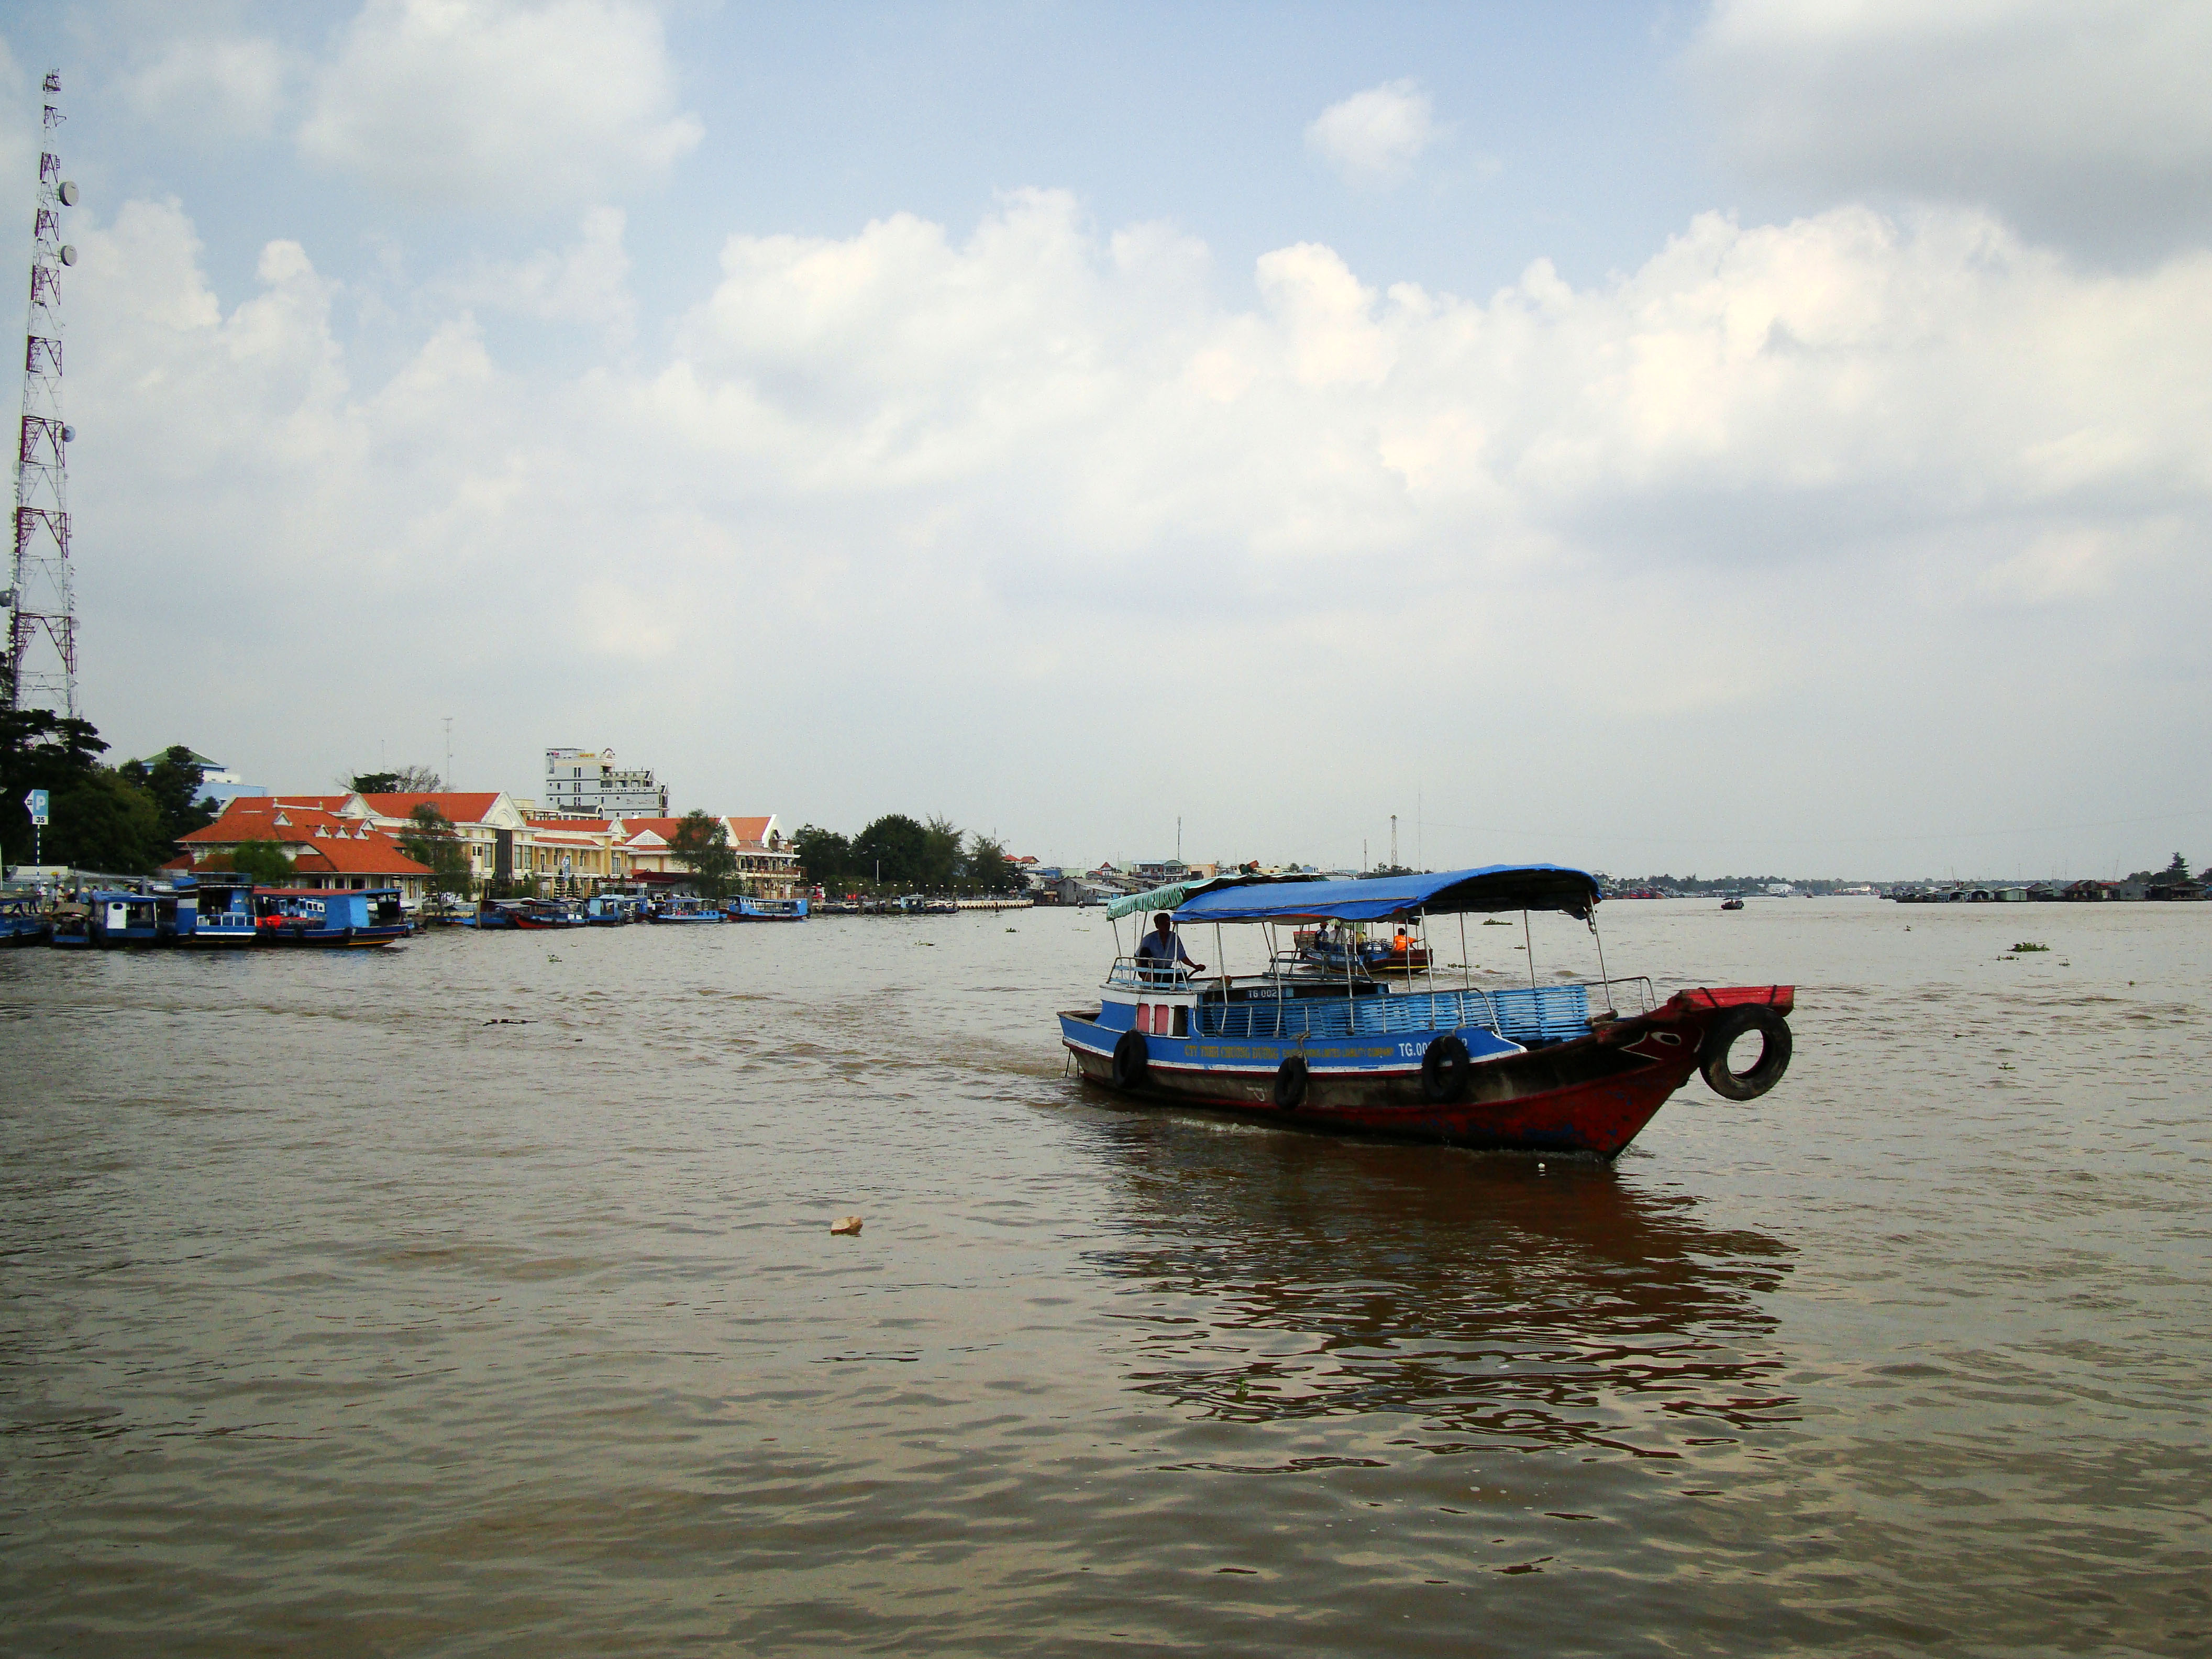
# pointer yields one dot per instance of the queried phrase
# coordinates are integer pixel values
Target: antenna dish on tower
(69, 254)
(67, 192)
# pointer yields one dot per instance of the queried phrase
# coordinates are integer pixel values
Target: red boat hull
(1592, 1097)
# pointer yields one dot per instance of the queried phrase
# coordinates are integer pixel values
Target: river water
(341, 1313)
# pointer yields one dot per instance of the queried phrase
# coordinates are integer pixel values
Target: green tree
(263, 860)
(824, 857)
(989, 869)
(39, 749)
(701, 841)
(104, 822)
(407, 781)
(942, 864)
(173, 778)
(429, 840)
(2177, 871)
(897, 846)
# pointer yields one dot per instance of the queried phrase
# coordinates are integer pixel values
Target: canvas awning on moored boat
(1494, 887)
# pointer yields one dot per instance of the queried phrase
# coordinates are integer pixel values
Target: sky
(1768, 436)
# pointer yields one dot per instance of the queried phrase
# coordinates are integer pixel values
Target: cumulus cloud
(586, 283)
(204, 87)
(2088, 125)
(492, 102)
(1373, 137)
(1852, 465)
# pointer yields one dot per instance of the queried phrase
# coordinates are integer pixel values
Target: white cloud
(1373, 137)
(208, 86)
(2088, 123)
(898, 503)
(587, 283)
(496, 103)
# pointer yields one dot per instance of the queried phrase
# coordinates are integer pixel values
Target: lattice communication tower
(41, 668)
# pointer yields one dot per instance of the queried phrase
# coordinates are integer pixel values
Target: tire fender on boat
(1130, 1055)
(1444, 1070)
(1773, 1057)
(1290, 1083)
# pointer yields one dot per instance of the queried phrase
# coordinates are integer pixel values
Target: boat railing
(1633, 990)
(1130, 975)
(1528, 1015)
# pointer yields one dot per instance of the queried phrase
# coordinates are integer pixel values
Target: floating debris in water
(846, 1225)
(506, 1020)
(2025, 946)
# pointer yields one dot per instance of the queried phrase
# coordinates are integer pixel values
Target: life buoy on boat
(1129, 1057)
(1773, 1058)
(1444, 1070)
(1290, 1083)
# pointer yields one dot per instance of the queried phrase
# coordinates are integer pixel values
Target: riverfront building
(329, 848)
(585, 781)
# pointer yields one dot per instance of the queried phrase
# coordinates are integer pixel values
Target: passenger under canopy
(1494, 887)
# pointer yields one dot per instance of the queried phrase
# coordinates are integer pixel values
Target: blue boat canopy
(1494, 887)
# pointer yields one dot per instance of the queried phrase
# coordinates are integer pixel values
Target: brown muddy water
(337, 1318)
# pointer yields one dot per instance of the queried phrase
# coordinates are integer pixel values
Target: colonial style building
(767, 868)
(328, 846)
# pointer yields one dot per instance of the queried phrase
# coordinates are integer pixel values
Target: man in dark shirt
(1159, 950)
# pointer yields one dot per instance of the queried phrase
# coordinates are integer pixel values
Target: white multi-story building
(585, 780)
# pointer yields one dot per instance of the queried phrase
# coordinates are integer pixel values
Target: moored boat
(346, 919)
(540, 916)
(766, 909)
(117, 917)
(214, 911)
(689, 910)
(23, 920)
(1554, 1068)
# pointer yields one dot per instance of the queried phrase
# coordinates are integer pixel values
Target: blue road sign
(36, 801)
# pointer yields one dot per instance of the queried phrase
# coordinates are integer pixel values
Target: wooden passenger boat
(340, 919)
(215, 911)
(1555, 1067)
(1336, 949)
(23, 920)
(765, 909)
(689, 910)
(119, 917)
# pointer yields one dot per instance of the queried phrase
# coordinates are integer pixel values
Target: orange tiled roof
(253, 817)
(379, 855)
(468, 808)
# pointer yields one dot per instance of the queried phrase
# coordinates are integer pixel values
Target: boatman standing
(1163, 949)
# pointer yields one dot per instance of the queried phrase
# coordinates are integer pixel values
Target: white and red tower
(40, 671)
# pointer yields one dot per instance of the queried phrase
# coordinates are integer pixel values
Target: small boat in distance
(1558, 1067)
(1732, 902)
(1337, 948)
(689, 910)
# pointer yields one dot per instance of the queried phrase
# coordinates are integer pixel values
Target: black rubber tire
(1444, 1070)
(1130, 1056)
(1290, 1083)
(1722, 1035)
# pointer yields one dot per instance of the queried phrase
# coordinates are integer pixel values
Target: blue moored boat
(688, 909)
(346, 919)
(215, 911)
(116, 917)
(764, 909)
(23, 920)
(1552, 1067)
